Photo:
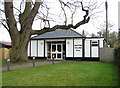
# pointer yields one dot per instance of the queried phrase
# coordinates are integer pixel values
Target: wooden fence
(107, 54)
(4, 53)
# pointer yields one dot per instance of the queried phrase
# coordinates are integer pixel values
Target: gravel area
(25, 65)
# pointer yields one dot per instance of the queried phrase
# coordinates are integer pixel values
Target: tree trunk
(19, 47)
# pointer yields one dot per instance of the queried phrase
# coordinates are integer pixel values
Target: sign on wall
(78, 48)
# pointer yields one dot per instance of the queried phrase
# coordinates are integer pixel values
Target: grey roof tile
(59, 33)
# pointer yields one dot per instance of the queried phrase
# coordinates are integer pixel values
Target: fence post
(33, 61)
(8, 64)
(64, 56)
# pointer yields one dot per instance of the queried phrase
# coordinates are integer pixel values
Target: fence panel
(4, 53)
(107, 54)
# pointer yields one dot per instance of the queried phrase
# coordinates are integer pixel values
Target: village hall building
(65, 45)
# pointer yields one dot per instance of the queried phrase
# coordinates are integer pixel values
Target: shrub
(116, 55)
(117, 61)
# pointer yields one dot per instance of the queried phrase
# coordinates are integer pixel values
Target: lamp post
(33, 61)
(64, 57)
(8, 64)
(53, 59)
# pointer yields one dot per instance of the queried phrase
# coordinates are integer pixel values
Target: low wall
(107, 54)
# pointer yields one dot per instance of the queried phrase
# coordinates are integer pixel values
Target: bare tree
(112, 36)
(102, 32)
(20, 37)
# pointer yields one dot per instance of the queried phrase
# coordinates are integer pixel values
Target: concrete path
(25, 65)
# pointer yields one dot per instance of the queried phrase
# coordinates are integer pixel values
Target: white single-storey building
(65, 44)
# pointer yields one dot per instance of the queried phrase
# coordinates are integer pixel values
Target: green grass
(4, 62)
(63, 74)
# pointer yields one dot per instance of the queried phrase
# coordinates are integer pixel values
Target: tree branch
(11, 22)
(23, 16)
(63, 8)
(87, 11)
(34, 11)
(85, 20)
(5, 26)
(60, 27)
(29, 14)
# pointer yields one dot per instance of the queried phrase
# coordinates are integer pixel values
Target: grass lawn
(63, 74)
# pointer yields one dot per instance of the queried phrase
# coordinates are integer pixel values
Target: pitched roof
(6, 43)
(59, 33)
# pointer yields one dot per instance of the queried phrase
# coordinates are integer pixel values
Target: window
(49, 50)
(94, 43)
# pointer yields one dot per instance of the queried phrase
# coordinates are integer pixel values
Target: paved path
(25, 65)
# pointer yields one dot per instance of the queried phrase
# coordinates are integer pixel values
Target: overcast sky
(91, 27)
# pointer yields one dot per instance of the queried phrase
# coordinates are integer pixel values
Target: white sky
(90, 28)
(119, 15)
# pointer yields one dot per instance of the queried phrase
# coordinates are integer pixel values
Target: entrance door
(56, 51)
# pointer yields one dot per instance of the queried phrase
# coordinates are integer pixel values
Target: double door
(56, 51)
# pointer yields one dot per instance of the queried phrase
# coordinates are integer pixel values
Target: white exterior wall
(94, 49)
(87, 48)
(69, 47)
(29, 49)
(37, 51)
(34, 48)
(78, 47)
(40, 48)
(101, 43)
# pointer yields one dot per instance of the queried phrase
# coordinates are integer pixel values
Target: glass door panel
(59, 48)
(59, 55)
(53, 48)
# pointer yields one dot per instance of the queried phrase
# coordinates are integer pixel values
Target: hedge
(118, 59)
(117, 54)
